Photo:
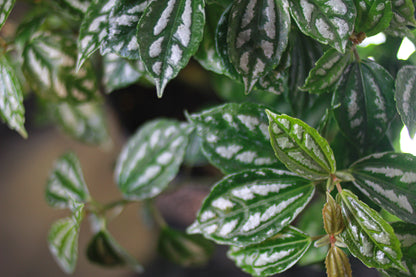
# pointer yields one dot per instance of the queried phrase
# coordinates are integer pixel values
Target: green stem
(157, 216)
(357, 57)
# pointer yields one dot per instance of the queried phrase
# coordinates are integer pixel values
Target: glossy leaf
(365, 95)
(235, 137)
(331, 214)
(406, 97)
(389, 179)
(274, 255)
(248, 207)
(329, 22)
(12, 110)
(5, 8)
(368, 236)
(337, 263)
(300, 147)
(403, 16)
(169, 34)
(373, 16)
(257, 36)
(151, 158)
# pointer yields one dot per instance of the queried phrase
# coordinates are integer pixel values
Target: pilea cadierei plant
(298, 61)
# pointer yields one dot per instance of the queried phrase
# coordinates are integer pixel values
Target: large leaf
(365, 95)
(169, 34)
(257, 35)
(406, 97)
(329, 22)
(248, 207)
(66, 183)
(389, 179)
(274, 255)
(300, 147)
(373, 16)
(151, 158)
(5, 9)
(403, 16)
(337, 263)
(48, 65)
(367, 235)
(12, 110)
(235, 137)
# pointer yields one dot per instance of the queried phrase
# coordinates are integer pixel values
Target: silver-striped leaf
(5, 8)
(76, 8)
(66, 183)
(403, 16)
(257, 35)
(235, 137)
(327, 71)
(151, 158)
(365, 95)
(250, 206)
(389, 179)
(274, 255)
(373, 16)
(169, 33)
(367, 235)
(405, 96)
(329, 22)
(48, 65)
(300, 147)
(12, 110)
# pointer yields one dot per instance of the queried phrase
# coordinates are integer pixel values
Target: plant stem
(357, 57)
(157, 216)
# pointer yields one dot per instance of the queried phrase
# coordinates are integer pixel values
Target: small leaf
(389, 179)
(76, 8)
(248, 207)
(66, 183)
(406, 97)
(257, 36)
(12, 110)
(373, 16)
(337, 263)
(367, 235)
(5, 8)
(169, 34)
(331, 213)
(403, 16)
(329, 22)
(274, 255)
(151, 158)
(235, 137)
(300, 147)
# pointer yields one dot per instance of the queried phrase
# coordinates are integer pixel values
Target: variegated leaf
(327, 71)
(337, 263)
(329, 22)
(169, 34)
(366, 98)
(74, 7)
(373, 16)
(94, 30)
(12, 110)
(274, 255)
(250, 206)
(403, 16)
(5, 9)
(367, 235)
(151, 158)
(235, 137)
(122, 27)
(257, 36)
(300, 147)
(48, 65)
(66, 183)
(406, 97)
(389, 179)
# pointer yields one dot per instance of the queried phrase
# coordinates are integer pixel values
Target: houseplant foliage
(334, 140)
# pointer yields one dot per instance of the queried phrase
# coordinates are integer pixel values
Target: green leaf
(235, 137)
(48, 65)
(105, 251)
(151, 158)
(66, 183)
(367, 235)
(373, 16)
(365, 96)
(327, 71)
(169, 34)
(5, 8)
(329, 22)
(403, 16)
(300, 147)
(248, 207)
(76, 8)
(337, 263)
(12, 110)
(183, 249)
(194, 155)
(274, 255)
(389, 179)
(257, 36)
(405, 96)
(331, 214)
